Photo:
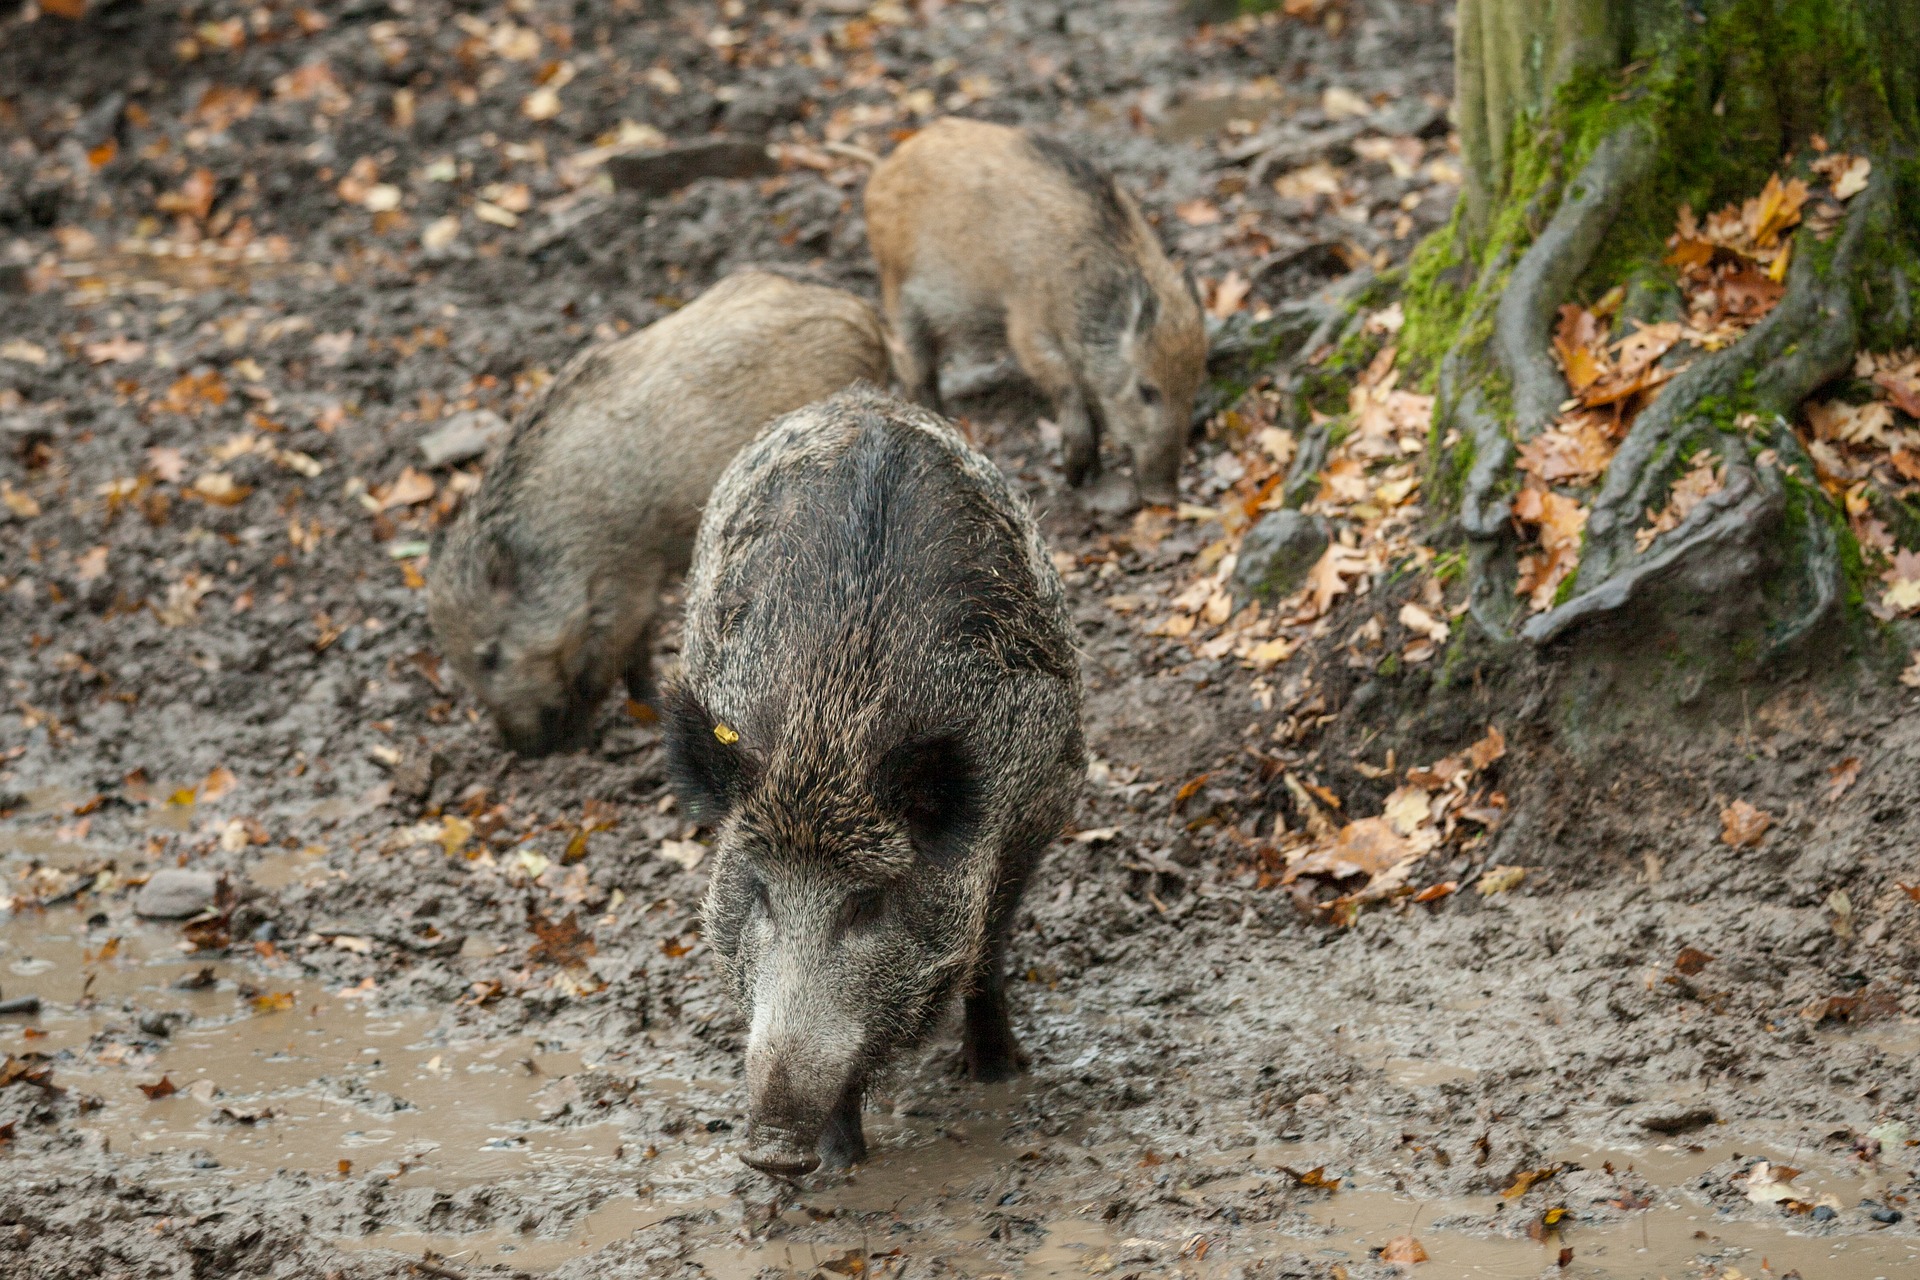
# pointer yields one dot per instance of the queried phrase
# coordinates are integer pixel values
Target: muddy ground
(451, 1015)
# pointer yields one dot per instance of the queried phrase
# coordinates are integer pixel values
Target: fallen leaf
(1404, 1250)
(346, 942)
(1229, 295)
(1315, 1177)
(850, 1263)
(409, 489)
(1096, 835)
(1903, 583)
(1198, 213)
(166, 464)
(1841, 777)
(1847, 174)
(1742, 825)
(1704, 479)
(23, 505)
(1691, 960)
(1525, 1180)
(90, 565)
(563, 942)
(165, 1088)
(1770, 1183)
(1367, 847)
(1435, 892)
(454, 834)
(218, 783)
(273, 1002)
(220, 489)
(1500, 879)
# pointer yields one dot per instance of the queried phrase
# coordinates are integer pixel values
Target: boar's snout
(779, 1152)
(1156, 469)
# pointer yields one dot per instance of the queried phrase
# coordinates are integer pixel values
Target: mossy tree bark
(1585, 125)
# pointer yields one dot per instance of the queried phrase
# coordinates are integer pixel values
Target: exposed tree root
(1545, 275)
(1808, 339)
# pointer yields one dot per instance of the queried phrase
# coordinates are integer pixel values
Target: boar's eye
(488, 655)
(1149, 395)
(861, 909)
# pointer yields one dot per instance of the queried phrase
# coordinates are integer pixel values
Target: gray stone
(462, 438)
(1277, 554)
(175, 894)
(657, 173)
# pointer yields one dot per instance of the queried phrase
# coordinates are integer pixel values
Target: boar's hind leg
(991, 1051)
(843, 1142)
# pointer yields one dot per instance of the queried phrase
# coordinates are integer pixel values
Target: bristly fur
(876, 629)
(543, 591)
(980, 228)
(1094, 183)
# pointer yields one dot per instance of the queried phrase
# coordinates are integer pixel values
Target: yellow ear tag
(725, 734)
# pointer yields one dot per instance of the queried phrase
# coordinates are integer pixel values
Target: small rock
(1824, 1213)
(658, 173)
(462, 438)
(175, 894)
(1277, 554)
(20, 1004)
(1885, 1215)
(1677, 1119)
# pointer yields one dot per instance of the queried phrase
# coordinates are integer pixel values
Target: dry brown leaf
(1841, 777)
(1902, 579)
(163, 1088)
(1403, 1250)
(1703, 479)
(1742, 825)
(1691, 960)
(1575, 450)
(1198, 213)
(411, 488)
(561, 942)
(1368, 847)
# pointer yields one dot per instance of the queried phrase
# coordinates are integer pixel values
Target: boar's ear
(930, 785)
(708, 769)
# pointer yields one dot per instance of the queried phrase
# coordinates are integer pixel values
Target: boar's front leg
(843, 1142)
(992, 1053)
(917, 356)
(1080, 443)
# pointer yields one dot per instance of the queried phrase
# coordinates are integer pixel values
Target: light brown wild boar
(983, 232)
(543, 591)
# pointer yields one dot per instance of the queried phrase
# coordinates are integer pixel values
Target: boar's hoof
(781, 1159)
(843, 1143)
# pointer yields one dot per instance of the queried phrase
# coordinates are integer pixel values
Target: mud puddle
(265, 1071)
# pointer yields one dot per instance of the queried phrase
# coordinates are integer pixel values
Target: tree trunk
(1585, 126)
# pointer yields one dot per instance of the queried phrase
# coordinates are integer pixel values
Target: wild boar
(986, 233)
(544, 589)
(879, 715)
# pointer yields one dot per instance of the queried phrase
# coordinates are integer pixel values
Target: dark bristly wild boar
(543, 591)
(987, 233)
(879, 715)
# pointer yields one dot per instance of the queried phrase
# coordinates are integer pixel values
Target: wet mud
(448, 1012)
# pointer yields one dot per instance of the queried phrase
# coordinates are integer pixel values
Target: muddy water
(275, 1072)
(264, 1088)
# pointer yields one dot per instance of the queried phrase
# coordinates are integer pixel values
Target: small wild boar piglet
(880, 717)
(984, 232)
(544, 590)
